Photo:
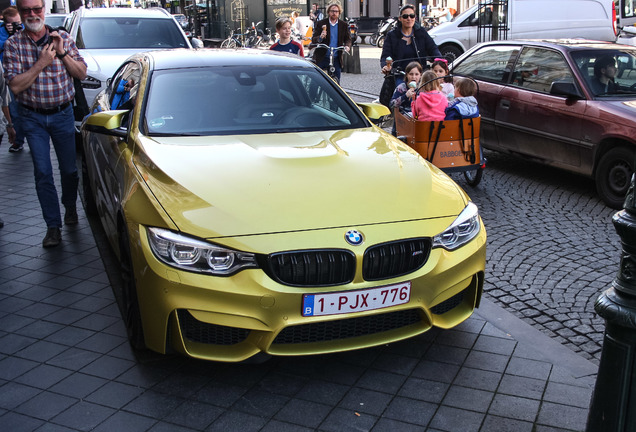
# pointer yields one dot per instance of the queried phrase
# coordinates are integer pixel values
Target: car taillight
(614, 20)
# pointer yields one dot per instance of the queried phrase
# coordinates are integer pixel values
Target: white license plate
(356, 301)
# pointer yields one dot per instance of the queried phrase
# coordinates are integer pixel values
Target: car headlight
(461, 231)
(194, 255)
(91, 83)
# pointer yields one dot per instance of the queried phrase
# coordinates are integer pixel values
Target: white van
(528, 19)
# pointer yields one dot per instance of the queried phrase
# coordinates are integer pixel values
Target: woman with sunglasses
(407, 42)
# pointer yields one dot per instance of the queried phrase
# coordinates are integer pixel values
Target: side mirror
(107, 123)
(565, 88)
(377, 113)
(196, 43)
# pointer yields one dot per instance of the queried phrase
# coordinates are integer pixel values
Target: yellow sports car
(256, 209)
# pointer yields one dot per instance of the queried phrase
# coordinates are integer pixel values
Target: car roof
(178, 58)
(125, 12)
(562, 44)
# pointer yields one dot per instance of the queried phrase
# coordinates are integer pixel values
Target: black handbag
(386, 92)
(80, 106)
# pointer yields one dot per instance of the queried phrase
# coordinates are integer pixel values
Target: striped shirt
(292, 46)
(54, 85)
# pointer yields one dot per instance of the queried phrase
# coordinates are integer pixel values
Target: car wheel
(131, 313)
(473, 177)
(380, 42)
(450, 52)
(86, 191)
(613, 176)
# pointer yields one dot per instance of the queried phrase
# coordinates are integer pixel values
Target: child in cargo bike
(465, 105)
(431, 103)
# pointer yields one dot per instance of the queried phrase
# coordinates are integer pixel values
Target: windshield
(123, 33)
(55, 21)
(234, 100)
(608, 72)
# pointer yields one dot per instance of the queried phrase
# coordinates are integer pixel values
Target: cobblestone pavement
(552, 248)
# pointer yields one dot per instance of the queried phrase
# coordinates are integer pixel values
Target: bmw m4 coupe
(255, 208)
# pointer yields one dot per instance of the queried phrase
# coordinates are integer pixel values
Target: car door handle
(505, 104)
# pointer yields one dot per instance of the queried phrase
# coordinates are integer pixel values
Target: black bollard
(613, 406)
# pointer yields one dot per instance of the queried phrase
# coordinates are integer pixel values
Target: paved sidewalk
(66, 365)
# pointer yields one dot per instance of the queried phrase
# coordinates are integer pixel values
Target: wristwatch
(9, 125)
(61, 56)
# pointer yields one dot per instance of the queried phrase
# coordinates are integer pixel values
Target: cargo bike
(451, 145)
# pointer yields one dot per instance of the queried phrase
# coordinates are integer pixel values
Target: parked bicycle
(234, 40)
(252, 38)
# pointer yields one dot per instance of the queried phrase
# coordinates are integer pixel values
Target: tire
(613, 176)
(450, 52)
(373, 40)
(130, 300)
(85, 189)
(228, 43)
(380, 42)
(474, 177)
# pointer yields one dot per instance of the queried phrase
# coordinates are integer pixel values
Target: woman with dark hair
(407, 42)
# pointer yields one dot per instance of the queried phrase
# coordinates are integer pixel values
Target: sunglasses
(27, 11)
(406, 16)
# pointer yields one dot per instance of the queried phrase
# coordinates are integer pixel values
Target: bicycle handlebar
(340, 48)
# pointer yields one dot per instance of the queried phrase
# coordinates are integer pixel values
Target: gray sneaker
(52, 238)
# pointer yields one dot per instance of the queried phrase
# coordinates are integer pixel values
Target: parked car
(526, 19)
(56, 20)
(255, 209)
(107, 36)
(537, 100)
(182, 20)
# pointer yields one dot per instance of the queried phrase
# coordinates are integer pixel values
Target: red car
(566, 103)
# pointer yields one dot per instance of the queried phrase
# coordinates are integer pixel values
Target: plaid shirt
(54, 85)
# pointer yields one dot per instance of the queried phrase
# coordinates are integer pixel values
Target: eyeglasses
(35, 10)
(406, 16)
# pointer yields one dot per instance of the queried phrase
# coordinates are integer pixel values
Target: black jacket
(344, 38)
(424, 46)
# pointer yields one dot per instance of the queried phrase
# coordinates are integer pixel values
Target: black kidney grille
(347, 328)
(313, 267)
(198, 331)
(449, 304)
(394, 259)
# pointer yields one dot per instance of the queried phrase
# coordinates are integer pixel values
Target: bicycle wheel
(473, 177)
(228, 43)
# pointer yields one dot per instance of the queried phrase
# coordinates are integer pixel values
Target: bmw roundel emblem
(354, 237)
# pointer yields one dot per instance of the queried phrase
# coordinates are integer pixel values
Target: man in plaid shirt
(40, 64)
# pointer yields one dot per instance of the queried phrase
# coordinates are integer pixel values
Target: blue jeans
(15, 119)
(40, 130)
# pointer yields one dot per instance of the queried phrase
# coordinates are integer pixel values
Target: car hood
(623, 107)
(255, 184)
(102, 63)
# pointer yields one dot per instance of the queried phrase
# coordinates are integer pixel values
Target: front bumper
(234, 318)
